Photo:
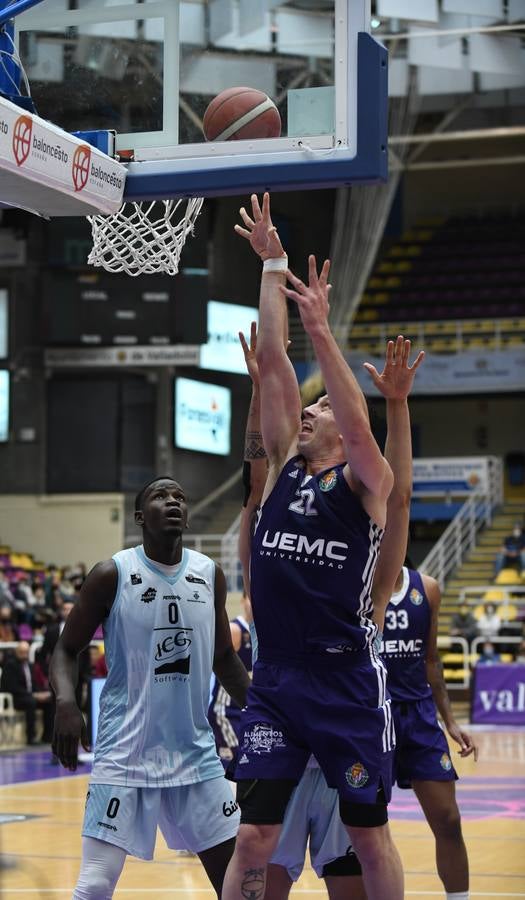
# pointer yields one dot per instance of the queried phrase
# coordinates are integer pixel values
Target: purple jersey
(313, 558)
(223, 713)
(405, 639)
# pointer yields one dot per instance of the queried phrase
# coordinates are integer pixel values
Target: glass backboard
(148, 70)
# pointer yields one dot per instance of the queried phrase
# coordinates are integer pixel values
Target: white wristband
(277, 264)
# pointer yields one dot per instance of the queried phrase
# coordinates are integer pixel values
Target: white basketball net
(139, 241)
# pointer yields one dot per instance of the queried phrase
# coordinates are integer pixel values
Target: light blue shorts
(312, 813)
(191, 817)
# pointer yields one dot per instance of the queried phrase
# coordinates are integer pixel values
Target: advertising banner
(452, 475)
(169, 355)
(468, 372)
(202, 416)
(498, 695)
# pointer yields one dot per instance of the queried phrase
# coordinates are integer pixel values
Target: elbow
(400, 498)
(268, 354)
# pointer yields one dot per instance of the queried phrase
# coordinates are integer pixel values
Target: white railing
(230, 555)
(458, 539)
(223, 548)
(498, 639)
(500, 594)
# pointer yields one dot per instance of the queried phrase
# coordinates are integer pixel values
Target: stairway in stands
(478, 567)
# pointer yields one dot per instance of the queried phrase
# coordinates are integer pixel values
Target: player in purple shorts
(409, 650)
(422, 760)
(224, 715)
(312, 815)
(319, 685)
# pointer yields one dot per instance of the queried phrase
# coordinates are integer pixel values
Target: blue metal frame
(15, 8)
(161, 179)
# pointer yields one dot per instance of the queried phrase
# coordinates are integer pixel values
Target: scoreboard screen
(97, 309)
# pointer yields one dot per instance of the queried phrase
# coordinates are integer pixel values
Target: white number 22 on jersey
(396, 618)
(305, 504)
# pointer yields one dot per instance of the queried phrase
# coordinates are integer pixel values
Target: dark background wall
(93, 430)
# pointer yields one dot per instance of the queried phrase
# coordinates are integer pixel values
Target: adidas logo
(293, 474)
(243, 759)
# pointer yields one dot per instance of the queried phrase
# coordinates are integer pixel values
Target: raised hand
(311, 298)
(249, 353)
(260, 230)
(396, 379)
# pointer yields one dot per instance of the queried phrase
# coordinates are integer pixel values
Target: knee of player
(372, 845)
(256, 843)
(98, 885)
(448, 824)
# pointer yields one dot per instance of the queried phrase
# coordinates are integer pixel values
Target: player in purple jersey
(319, 685)
(224, 714)
(313, 811)
(409, 649)
(422, 760)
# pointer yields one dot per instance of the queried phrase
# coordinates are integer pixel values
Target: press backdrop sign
(498, 696)
(452, 475)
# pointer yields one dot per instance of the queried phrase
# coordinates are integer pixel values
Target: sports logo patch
(149, 595)
(445, 762)
(356, 775)
(135, 578)
(263, 739)
(328, 481)
(416, 597)
(193, 579)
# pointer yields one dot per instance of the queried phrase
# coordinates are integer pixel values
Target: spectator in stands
(52, 586)
(8, 629)
(18, 680)
(488, 655)
(39, 595)
(489, 623)
(463, 624)
(512, 552)
(520, 653)
(23, 590)
(6, 594)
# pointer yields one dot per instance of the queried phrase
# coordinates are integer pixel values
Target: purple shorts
(338, 712)
(421, 752)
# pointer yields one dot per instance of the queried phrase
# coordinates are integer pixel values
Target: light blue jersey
(159, 642)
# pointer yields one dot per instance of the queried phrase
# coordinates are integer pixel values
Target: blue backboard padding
(163, 178)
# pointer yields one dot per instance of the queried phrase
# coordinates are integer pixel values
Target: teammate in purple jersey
(319, 685)
(422, 760)
(224, 715)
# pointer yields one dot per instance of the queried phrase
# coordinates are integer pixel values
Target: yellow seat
(493, 595)
(508, 612)
(452, 658)
(456, 674)
(508, 576)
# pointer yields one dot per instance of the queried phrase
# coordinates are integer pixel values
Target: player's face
(319, 431)
(164, 508)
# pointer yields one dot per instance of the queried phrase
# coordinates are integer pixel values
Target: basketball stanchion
(143, 238)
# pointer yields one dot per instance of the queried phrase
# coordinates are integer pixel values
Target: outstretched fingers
(244, 344)
(418, 360)
(246, 218)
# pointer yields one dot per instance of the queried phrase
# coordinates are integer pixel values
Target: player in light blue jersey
(163, 611)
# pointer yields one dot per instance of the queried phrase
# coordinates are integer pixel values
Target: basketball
(241, 113)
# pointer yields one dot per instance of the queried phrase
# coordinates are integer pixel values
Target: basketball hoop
(143, 238)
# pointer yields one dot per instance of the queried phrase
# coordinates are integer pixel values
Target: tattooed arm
(255, 462)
